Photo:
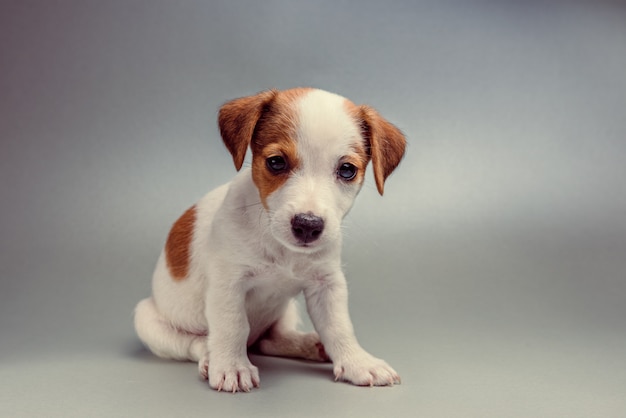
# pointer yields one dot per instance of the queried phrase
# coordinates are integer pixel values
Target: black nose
(307, 227)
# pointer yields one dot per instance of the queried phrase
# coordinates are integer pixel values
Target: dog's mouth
(303, 247)
(296, 245)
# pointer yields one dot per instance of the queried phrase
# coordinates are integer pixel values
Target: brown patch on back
(385, 142)
(178, 244)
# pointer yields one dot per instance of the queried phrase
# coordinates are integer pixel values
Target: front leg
(327, 303)
(229, 368)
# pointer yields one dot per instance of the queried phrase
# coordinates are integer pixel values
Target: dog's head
(310, 149)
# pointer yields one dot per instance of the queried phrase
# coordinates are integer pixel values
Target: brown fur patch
(385, 142)
(275, 135)
(361, 156)
(266, 181)
(178, 245)
(237, 120)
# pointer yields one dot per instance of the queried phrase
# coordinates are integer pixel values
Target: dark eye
(347, 171)
(276, 164)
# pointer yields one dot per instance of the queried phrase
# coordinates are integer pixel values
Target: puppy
(233, 262)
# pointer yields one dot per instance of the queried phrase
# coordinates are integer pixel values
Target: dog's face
(310, 149)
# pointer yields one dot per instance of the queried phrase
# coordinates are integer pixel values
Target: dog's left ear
(237, 120)
(386, 144)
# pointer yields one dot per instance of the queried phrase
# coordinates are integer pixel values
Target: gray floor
(492, 275)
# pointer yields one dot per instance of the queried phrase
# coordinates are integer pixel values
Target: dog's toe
(203, 367)
(240, 377)
(367, 371)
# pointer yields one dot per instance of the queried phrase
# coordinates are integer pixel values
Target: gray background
(491, 275)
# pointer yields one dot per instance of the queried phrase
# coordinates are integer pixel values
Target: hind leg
(163, 339)
(284, 340)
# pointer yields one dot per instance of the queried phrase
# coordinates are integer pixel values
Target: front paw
(366, 370)
(232, 376)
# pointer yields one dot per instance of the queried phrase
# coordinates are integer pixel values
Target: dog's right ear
(237, 120)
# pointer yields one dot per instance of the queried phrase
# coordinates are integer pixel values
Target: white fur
(246, 267)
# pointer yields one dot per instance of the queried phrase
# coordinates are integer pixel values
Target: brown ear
(237, 120)
(386, 144)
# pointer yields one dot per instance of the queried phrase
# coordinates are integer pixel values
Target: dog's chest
(280, 274)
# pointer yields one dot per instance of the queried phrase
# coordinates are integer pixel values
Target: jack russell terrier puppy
(234, 261)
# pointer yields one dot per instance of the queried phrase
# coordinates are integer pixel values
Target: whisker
(249, 206)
